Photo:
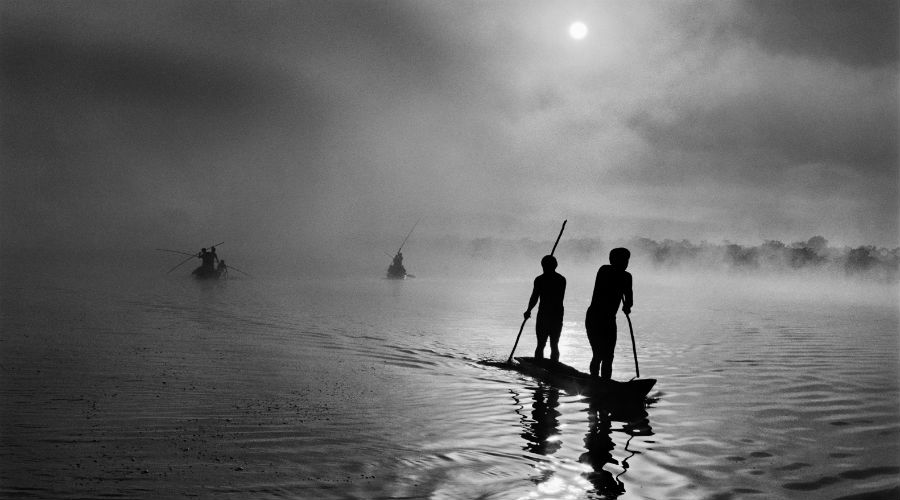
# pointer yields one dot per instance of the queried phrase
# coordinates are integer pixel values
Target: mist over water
(310, 136)
(147, 384)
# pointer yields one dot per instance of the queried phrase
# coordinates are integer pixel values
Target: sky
(309, 126)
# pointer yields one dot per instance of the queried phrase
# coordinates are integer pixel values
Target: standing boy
(550, 288)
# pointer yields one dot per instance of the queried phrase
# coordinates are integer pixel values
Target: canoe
(206, 273)
(571, 380)
(395, 273)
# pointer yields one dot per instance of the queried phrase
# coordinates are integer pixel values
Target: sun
(578, 30)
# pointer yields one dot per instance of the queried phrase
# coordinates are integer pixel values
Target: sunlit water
(161, 387)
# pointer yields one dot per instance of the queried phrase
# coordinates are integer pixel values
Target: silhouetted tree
(860, 260)
(742, 257)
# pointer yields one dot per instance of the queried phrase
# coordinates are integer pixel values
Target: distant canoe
(396, 272)
(206, 273)
(568, 378)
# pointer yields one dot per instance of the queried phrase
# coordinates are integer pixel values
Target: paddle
(229, 266)
(633, 347)
(181, 263)
(410, 234)
(175, 251)
(508, 361)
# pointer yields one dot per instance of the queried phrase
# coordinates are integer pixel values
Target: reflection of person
(612, 287)
(550, 288)
(599, 445)
(545, 422)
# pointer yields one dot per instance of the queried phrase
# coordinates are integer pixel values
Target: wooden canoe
(571, 380)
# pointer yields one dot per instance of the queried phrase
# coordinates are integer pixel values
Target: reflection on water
(117, 387)
(542, 429)
(599, 444)
(601, 469)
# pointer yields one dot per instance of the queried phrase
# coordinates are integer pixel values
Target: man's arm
(532, 301)
(627, 295)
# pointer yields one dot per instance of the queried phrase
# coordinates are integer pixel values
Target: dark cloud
(778, 131)
(823, 90)
(854, 32)
(50, 80)
(268, 119)
(293, 123)
(102, 135)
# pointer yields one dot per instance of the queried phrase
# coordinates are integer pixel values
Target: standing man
(550, 288)
(612, 287)
(208, 260)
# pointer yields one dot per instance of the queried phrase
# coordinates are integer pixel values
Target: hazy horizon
(316, 126)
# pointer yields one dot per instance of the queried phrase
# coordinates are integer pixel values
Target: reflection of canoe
(568, 378)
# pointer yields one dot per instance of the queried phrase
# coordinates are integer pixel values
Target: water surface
(158, 386)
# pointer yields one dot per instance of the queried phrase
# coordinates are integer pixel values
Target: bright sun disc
(578, 30)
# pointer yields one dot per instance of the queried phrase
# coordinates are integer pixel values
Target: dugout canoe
(207, 273)
(571, 380)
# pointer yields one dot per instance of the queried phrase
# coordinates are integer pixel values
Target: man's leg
(607, 347)
(596, 352)
(541, 331)
(606, 363)
(554, 341)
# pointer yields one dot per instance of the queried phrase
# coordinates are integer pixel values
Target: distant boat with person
(208, 268)
(211, 267)
(396, 271)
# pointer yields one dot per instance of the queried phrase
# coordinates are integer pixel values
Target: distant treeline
(771, 256)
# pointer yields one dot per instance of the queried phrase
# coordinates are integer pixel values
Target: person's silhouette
(208, 258)
(612, 287)
(550, 288)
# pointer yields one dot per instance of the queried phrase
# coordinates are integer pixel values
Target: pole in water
(229, 266)
(508, 361)
(182, 262)
(563, 228)
(633, 347)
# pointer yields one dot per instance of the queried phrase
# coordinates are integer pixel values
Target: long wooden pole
(181, 263)
(229, 266)
(175, 251)
(517, 341)
(637, 370)
(563, 228)
(408, 235)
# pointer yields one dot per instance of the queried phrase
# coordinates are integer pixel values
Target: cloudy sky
(311, 124)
